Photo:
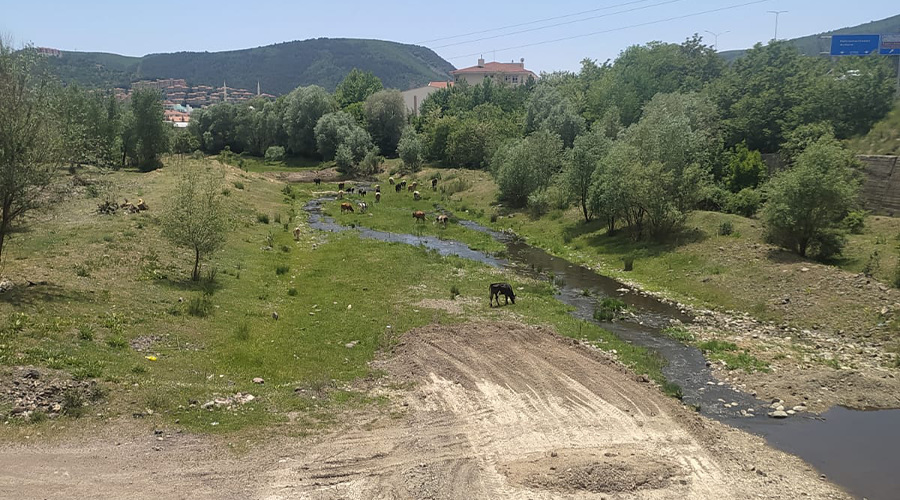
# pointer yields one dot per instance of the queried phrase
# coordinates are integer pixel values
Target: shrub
(85, 332)
(37, 416)
(679, 334)
(628, 260)
(116, 342)
(855, 221)
(454, 186)
(292, 292)
(745, 202)
(73, 402)
(82, 271)
(262, 218)
(454, 292)
(238, 184)
(539, 203)
(494, 217)
(872, 265)
(745, 168)
(282, 269)
(726, 228)
(277, 218)
(274, 154)
(199, 306)
(285, 248)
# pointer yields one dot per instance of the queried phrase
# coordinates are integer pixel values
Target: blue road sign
(854, 45)
(890, 45)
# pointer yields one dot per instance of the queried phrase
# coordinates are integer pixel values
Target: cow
(442, 220)
(377, 188)
(410, 188)
(403, 182)
(350, 189)
(340, 195)
(340, 186)
(377, 197)
(346, 207)
(317, 180)
(398, 187)
(434, 184)
(363, 207)
(391, 180)
(362, 192)
(417, 196)
(504, 289)
(297, 233)
(415, 185)
(419, 216)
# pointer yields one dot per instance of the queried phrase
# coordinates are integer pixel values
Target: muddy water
(855, 449)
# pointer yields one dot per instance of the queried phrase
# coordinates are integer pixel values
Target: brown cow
(346, 207)
(442, 220)
(411, 188)
(377, 197)
(297, 233)
(419, 215)
(415, 185)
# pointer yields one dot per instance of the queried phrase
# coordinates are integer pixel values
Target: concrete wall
(414, 97)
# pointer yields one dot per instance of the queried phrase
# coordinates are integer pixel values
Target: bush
(539, 203)
(292, 292)
(85, 332)
(726, 228)
(117, 342)
(454, 186)
(454, 292)
(238, 184)
(282, 269)
(242, 331)
(872, 265)
(745, 202)
(745, 168)
(199, 306)
(628, 260)
(855, 221)
(494, 217)
(73, 402)
(274, 154)
(262, 218)
(411, 149)
(609, 309)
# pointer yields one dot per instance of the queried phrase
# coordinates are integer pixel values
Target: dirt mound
(27, 390)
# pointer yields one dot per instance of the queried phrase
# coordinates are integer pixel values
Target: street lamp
(777, 13)
(716, 36)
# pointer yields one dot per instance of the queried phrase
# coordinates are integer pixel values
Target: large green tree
(524, 166)
(29, 145)
(147, 130)
(303, 108)
(386, 117)
(582, 162)
(331, 131)
(357, 86)
(548, 109)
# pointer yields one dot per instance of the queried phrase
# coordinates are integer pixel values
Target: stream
(857, 450)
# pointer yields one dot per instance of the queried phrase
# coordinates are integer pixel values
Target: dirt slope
(509, 411)
(479, 411)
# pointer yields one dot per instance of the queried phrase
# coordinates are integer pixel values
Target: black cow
(317, 181)
(362, 192)
(340, 186)
(434, 184)
(398, 187)
(504, 289)
(350, 189)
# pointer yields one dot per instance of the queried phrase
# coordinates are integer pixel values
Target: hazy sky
(138, 28)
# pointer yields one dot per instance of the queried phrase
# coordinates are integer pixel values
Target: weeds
(282, 269)
(73, 403)
(117, 342)
(454, 292)
(238, 184)
(82, 271)
(292, 292)
(199, 306)
(262, 218)
(678, 333)
(85, 332)
(726, 228)
(609, 309)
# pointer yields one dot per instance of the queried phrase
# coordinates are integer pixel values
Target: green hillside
(813, 44)
(883, 138)
(279, 68)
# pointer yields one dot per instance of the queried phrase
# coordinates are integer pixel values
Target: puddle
(855, 449)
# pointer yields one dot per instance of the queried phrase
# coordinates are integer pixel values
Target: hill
(882, 139)
(278, 68)
(813, 45)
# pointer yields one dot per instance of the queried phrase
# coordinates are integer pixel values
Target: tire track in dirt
(511, 411)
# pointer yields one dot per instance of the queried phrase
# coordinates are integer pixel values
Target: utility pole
(777, 13)
(716, 36)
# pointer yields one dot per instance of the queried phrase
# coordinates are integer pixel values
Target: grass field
(117, 305)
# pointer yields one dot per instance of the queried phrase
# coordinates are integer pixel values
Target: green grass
(733, 356)
(678, 333)
(256, 164)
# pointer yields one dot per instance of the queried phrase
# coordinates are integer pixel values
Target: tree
(578, 172)
(357, 86)
(331, 131)
(184, 142)
(352, 151)
(745, 169)
(151, 138)
(547, 109)
(807, 203)
(386, 117)
(411, 149)
(274, 154)
(796, 141)
(196, 217)
(28, 149)
(304, 106)
(523, 166)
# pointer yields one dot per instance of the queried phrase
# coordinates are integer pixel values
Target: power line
(555, 25)
(649, 23)
(532, 22)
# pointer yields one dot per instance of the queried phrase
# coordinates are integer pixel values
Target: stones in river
(778, 414)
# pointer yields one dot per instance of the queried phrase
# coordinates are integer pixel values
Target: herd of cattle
(363, 207)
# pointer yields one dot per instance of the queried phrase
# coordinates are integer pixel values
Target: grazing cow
(340, 186)
(415, 185)
(350, 189)
(419, 216)
(504, 289)
(434, 184)
(410, 188)
(346, 207)
(398, 187)
(363, 207)
(340, 195)
(317, 180)
(417, 196)
(391, 180)
(141, 205)
(297, 233)
(442, 220)
(403, 182)
(362, 192)
(377, 188)
(377, 197)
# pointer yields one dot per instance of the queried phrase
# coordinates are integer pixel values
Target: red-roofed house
(512, 73)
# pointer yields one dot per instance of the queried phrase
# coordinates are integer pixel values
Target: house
(414, 97)
(511, 73)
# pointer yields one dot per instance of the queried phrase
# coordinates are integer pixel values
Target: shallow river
(859, 450)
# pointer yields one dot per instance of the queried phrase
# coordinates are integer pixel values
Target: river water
(859, 450)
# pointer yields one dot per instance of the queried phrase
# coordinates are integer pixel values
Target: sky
(138, 28)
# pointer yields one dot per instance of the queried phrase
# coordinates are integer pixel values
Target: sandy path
(494, 411)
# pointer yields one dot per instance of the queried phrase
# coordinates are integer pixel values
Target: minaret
(224, 91)
(257, 88)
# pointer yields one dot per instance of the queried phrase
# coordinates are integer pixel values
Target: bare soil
(479, 410)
